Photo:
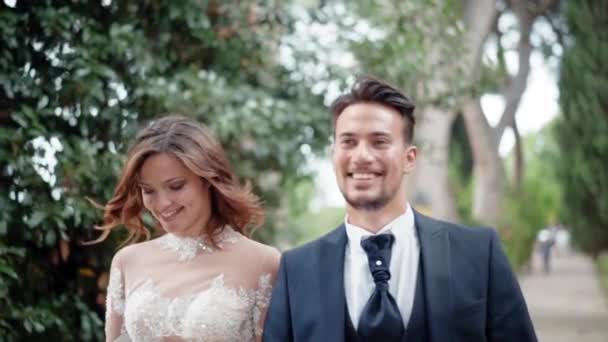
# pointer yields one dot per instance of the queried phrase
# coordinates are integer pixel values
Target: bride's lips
(169, 215)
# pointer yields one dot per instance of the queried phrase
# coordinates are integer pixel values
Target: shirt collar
(402, 227)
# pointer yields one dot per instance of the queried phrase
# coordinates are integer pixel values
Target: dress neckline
(187, 247)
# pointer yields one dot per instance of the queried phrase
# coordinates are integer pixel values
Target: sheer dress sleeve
(263, 292)
(115, 304)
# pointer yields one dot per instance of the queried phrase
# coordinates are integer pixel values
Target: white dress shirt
(358, 281)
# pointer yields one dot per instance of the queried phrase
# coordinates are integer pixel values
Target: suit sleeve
(508, 317)
(277, 327)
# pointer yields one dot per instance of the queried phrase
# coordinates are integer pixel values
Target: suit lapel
(333, 300)
(435, 251)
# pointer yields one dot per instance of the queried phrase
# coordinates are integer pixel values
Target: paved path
(566, 305)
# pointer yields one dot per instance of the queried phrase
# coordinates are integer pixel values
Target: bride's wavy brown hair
(232, 204)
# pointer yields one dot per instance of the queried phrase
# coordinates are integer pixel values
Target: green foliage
(314, 223)
(535, 205)
(524, 215)
(527, 209)
(49, 317)
(581, 131)
(76, 80)
(417, 45)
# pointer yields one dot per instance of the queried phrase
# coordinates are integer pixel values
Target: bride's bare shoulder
(267, 255)
(135, 250)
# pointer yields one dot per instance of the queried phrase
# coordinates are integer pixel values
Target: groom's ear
(409, 159)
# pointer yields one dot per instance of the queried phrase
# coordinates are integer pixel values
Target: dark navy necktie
(380, 319)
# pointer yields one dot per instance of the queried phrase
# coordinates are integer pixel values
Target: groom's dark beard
(370, 205)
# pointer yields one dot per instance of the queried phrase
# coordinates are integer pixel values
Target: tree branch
(518, 163)
(518, 84)
(558, 31)
(541, 8)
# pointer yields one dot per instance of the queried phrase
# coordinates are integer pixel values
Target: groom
(390, 273)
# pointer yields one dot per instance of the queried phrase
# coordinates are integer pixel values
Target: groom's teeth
(363, 175)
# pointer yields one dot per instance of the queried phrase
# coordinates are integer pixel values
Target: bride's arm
(115, 304)
(263, 293)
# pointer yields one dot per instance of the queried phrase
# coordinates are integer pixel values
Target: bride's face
(174, 195)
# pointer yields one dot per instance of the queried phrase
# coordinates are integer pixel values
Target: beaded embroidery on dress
(187, 247)
(193, 293)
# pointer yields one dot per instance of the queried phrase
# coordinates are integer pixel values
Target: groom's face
(370, 155)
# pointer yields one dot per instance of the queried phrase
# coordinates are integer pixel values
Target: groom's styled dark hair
(372, 89)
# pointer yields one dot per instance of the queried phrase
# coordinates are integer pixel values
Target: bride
(203, 280)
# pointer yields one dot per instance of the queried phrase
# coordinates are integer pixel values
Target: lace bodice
(175, 289)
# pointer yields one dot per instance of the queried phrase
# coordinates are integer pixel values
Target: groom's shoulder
(457, 231)
(467, 235)
(312, 247)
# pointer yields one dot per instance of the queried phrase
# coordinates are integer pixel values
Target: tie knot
(378, 243)
(378, 250)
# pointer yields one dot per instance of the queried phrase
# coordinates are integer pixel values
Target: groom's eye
(348, 142)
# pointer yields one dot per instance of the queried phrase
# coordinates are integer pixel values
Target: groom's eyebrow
(381, 134)
(373, 134)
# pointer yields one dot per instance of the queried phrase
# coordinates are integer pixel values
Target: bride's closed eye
(177, 186)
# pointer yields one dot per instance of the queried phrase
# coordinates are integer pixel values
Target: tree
(76, 80)
(581, 130)
(488, 171)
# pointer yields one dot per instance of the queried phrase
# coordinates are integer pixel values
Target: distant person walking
(546, 241)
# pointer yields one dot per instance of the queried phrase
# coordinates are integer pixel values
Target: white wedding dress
(182, 289)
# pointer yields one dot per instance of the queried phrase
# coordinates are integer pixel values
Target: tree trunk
(518, 160)
(488, 173)
(479, 18)
(429, 187)
(517, 84)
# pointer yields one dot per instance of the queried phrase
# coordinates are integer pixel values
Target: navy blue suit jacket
(471, 292)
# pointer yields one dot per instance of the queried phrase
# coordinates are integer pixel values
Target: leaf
(20, 119)
(27, 325)
(50, 237)
(9, 272)
(36, 218)
(19, 252)
(43, 102)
